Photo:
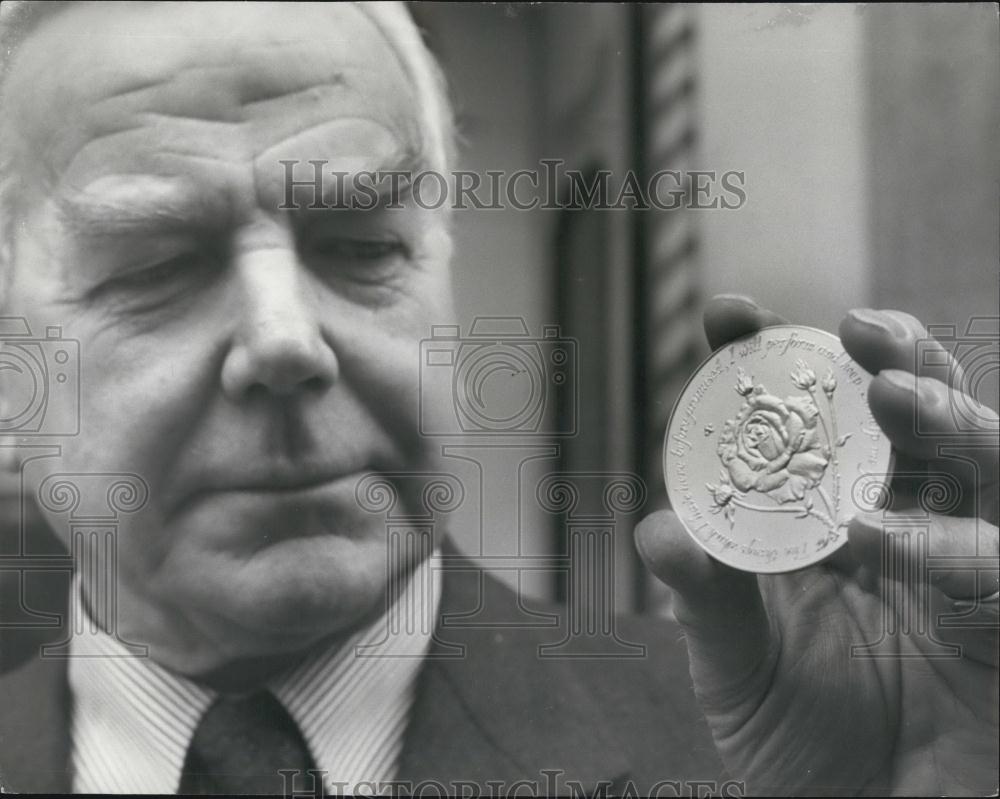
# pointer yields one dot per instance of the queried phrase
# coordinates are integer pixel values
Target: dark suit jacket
(498, 713)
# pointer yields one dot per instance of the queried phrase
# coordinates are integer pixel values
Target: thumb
(731, 642)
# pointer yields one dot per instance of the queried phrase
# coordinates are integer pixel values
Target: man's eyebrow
(127, 204)
(390, 191)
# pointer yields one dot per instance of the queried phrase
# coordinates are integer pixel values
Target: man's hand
(846, 677)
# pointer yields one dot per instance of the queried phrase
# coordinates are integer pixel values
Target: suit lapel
(34, 698)
(446, 742)
(499, 712)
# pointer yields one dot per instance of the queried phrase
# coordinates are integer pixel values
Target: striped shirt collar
(133, 719)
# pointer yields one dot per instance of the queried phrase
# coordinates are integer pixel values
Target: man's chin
(306, 584)
(281, 600)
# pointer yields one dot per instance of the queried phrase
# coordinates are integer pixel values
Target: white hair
(437, 122)
(19, 17)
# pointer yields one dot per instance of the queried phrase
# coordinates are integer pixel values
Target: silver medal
(771, 448)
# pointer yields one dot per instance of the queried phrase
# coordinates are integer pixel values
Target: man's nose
(279, 345)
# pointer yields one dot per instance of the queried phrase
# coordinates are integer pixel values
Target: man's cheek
(144, 393)
(118, 467)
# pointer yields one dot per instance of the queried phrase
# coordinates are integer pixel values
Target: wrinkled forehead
(104, 82)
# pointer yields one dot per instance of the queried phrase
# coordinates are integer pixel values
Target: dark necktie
(241, 745)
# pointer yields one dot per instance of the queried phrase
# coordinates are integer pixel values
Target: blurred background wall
(868, 138)
(784, 98)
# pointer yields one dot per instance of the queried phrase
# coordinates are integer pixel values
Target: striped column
(674, 339)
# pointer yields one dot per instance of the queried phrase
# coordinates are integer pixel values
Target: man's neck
(247, 674)
(243, 675)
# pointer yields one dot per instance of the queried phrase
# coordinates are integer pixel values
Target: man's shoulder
(630, 665)
(34, 695)
(544, 685)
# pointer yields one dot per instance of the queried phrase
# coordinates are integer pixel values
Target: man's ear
(7, 226)
(443, 241)
(6, 264)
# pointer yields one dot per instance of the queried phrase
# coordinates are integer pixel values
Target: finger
(973, 625)
(729, 316)
(934, 577)
(923, 418)
(721, 609)
(896, 340)
(946, 485)
(958, 555)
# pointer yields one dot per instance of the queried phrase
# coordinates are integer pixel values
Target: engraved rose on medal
(781, 448)
(774, 446)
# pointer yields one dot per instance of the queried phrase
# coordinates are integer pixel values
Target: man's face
(249, 363)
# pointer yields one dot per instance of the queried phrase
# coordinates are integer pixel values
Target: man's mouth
(268, 504)
(278, 478)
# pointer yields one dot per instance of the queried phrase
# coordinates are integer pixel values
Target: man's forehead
(96, 72)
(131, 38)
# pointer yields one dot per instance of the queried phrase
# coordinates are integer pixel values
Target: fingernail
(897, 378)
(908, 323)
(927, 392)
(869, 519)
(742, 299)
(879, 321)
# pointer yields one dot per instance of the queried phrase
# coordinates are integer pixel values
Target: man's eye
(158, 283)
(162, 272)
(349, 249)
